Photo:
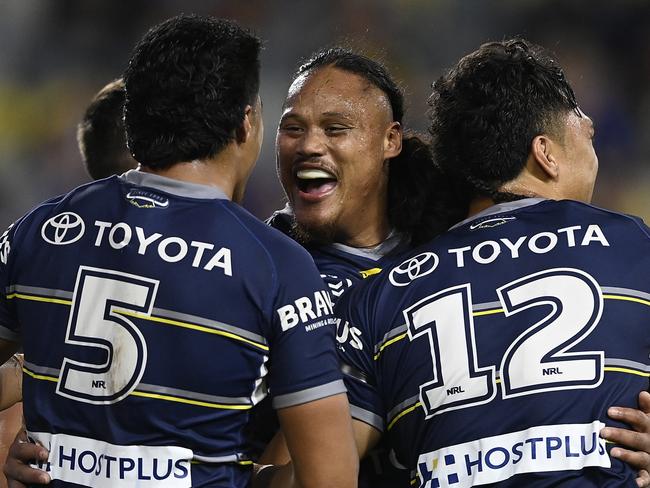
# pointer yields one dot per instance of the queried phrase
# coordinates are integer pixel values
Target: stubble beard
(324, 233)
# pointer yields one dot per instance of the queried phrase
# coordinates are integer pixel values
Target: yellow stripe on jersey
(402, 413)
(617, 369)
(369, 272)
(150, 318)
(188, 325)
(40, 376)
(35, 298)
(628, 299)
(388, 343)
(158, 396)
(155, 396)
(487, 312)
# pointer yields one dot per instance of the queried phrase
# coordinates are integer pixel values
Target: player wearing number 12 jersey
(490, 355)
(155, 313)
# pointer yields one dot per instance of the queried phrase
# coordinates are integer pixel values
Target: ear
(393, 140)
(545, 154)
(244, 131)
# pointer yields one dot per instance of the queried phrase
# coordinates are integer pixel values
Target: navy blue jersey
(154, 316)
(341, 267)
(490, 355)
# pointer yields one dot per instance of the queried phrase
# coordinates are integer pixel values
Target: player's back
(146, 307)
(494, 351)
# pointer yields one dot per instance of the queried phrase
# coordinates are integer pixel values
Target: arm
(11, 382)
(16, 467)
(636, 440)
(365, 436)
(317, 431)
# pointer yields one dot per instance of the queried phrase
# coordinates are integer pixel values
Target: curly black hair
(187, 85)
(413, 177)
(101, 136)
(486, 111)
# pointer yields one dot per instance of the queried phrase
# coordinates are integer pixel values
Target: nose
(312, 143)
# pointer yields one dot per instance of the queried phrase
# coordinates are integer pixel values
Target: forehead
(331, 89)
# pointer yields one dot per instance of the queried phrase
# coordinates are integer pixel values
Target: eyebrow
(342, 115)
(339, 115)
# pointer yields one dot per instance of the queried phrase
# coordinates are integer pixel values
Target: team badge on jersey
(146, 199)
(489, 223)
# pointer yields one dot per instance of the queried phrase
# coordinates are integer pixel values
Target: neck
(219, 171)
(370, 236)
(479, 204)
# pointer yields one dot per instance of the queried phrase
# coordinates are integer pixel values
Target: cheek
(285, 154)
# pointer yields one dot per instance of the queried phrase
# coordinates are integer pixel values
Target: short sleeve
(8, 323)
(357, 357)
(303, 365)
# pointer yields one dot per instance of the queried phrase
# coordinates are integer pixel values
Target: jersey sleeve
(357, 355)
(303, 365)
(8, 323)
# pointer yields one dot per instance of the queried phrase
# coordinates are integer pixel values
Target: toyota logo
(411, 269)
(65, 228)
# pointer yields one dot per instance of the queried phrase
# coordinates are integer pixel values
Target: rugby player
(101, 136)
(339, 116)
(355, 184)
(108, 281)
(490, 354)
(103, 149)
(339, 262)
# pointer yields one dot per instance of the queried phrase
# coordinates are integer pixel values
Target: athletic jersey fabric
(154, 315)
(490, 355)
(341, 267)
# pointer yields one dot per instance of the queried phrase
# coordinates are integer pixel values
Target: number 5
(95, 322)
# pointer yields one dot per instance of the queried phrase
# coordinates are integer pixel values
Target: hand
(17, 469)
(637, 441)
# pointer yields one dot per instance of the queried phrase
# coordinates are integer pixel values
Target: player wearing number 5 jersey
(490, 355)
(155, 312)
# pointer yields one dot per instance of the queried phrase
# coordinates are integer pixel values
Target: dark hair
(486, 111)
(101, 136)
(187, 85)
(412, 174)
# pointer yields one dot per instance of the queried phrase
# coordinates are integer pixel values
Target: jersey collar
(173, 186)
(377, 252)
(501, 208)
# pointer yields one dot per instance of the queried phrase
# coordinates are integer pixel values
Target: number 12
(445, 318)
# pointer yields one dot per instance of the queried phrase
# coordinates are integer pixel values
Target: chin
(313, 231)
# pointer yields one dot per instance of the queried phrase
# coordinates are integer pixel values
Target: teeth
(313, 174)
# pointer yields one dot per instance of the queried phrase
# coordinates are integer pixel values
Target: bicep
(11, 376)
(320, 430)
(366, 437)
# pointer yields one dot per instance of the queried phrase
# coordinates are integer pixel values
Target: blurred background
(55, 54)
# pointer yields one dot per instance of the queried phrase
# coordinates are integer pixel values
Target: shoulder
(605, 218)
(279, 247)
(51, 208)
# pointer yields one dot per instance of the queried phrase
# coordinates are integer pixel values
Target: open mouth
(315, 182)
